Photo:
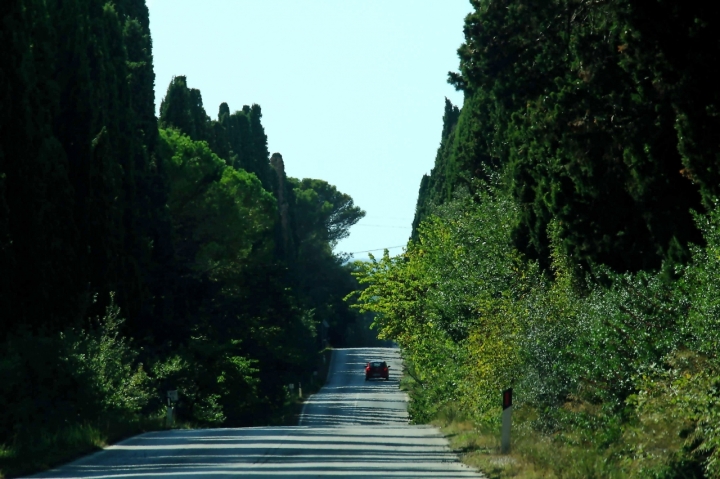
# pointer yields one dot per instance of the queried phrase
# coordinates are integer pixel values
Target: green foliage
(701, 283)
(182, 109)
(223, 224)
(437, 187)
(219, 213)
(75, 376)
(322, 212)
(106, 361)
(621, 366)
(591, 122)
(578, 106)
(81, 191)
(454, 310)
(238, 138)
(677, 431)
(191, 227)
(215, 382)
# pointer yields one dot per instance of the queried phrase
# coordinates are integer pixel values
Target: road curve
(350, 428)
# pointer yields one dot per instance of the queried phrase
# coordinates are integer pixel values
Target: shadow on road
(274, 452)
(347, 399)
(352, 427)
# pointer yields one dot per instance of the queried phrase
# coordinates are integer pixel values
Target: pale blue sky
(352, 91)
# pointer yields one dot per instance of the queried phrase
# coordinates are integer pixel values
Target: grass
(571, 454)
(479, 447)
(38, 450)
(290, 413)
(531, 457)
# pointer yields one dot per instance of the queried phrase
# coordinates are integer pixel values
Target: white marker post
(506, 421)
(300, 390)
(172, 397)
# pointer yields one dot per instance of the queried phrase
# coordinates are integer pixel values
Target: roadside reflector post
(169, 417)
(300, 390)
(506, 421)
(172, 397)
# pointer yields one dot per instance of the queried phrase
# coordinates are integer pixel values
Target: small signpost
(506, 421)
(172, 397)
(291, 387)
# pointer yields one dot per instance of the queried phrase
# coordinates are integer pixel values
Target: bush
(623, 366)
(215, 383)
(51, 381)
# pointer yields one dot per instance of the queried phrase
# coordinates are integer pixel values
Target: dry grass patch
(480, 448)
(533, 455)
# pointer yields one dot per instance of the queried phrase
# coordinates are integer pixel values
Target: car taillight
(385, 368)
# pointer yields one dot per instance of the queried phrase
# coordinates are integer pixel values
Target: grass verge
(289, 415)
(575, 453)
(533, 455)
(37, 450)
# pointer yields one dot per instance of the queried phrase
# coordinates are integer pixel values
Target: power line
(379, 249)
(393, 218)
(385, 226)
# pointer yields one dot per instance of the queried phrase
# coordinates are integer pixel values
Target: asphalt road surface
(351, 428)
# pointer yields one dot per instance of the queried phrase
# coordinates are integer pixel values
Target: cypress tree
(38, 250)
(219, 141)
(574, 105)
(259, 160)
(81, 198)
(437, 187)
(182, 108)
(240, 139)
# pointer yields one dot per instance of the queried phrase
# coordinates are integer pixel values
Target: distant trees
(238, 138)
(254, 247)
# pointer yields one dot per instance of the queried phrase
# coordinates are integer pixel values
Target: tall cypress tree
(38, 238)
(82, 198)
(574, 105)
(182, 108)
(437, 187)
(259, 162)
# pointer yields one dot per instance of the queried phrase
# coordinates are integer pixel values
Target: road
(350, 428)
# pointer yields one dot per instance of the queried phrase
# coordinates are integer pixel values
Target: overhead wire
(379, 249)
(385, 226)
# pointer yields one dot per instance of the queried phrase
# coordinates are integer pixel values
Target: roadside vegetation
(566, 244)
(140, 254)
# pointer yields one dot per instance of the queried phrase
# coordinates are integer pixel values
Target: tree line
(565, 243)
(140, 254)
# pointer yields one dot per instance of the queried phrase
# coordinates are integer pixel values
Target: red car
(377, 369)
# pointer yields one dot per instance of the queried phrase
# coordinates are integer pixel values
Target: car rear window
(376, 364)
